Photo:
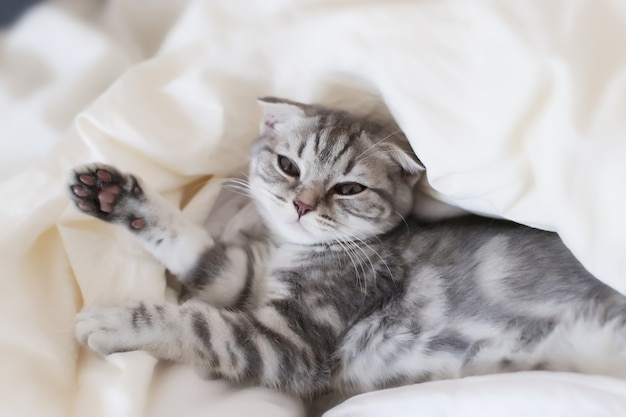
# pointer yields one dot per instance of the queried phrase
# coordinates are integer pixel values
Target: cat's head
(320, 175)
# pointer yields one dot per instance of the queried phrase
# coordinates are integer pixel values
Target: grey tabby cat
(345, 290)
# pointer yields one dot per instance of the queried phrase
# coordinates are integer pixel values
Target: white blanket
(517, 109)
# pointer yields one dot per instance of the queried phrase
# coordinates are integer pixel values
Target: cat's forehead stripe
(301, 147)
(343, 150)
(318, 135)
(339, 135)
(349, 167)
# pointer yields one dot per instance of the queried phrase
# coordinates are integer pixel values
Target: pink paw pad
(138, 223)
(104, 192)
(107, 197)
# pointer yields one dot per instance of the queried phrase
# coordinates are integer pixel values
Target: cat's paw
(108, 329)
(104, 192)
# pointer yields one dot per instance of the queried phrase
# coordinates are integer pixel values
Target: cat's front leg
(155, 328)
(103, 191)
(259, 347)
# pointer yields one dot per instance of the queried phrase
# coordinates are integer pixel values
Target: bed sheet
(517, 109)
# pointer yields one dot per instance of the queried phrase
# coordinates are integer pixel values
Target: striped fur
(345, 290)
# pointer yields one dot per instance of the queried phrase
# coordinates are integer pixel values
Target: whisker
(242, 187)
(354, 243)
(383, 151)
(361, 279)
(383, 139)
(403, 220)
(379, 257)
(245, 193)
(238, 181)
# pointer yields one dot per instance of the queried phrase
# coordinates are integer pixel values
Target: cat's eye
(349, 188)
(288, 166)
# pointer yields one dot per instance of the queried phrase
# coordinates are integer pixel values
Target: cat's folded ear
(411, 166)
(277, 111)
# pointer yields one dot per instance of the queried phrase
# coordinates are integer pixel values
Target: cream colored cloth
(516, 108)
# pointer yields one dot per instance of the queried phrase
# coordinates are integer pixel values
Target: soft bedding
(517, 109)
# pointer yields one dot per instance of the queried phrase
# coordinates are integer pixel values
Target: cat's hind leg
(388, 349)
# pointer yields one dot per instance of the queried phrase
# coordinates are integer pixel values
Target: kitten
(344, 290)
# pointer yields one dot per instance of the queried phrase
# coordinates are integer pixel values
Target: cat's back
(475, 257)
(459, 237)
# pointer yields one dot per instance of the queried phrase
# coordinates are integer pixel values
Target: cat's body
(345, 290)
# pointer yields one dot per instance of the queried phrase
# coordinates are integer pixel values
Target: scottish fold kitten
(341, 288)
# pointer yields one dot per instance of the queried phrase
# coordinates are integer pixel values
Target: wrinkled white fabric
(520, 394)
(516, 108)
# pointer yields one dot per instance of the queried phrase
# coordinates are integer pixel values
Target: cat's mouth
(291, 227)
(301, 231)
(300, 225)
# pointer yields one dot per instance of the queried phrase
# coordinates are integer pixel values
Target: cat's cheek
(356, 228)
(283, 220)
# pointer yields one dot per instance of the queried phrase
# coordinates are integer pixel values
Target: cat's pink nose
(302, 208)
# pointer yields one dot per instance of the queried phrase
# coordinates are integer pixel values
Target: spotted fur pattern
(345, 290)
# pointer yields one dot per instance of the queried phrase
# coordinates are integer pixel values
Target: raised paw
(102, 191)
